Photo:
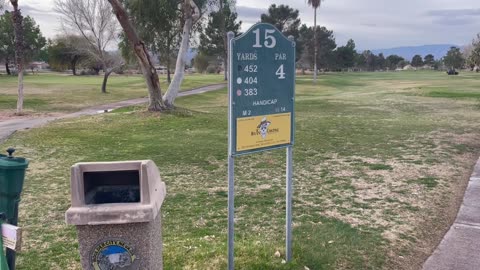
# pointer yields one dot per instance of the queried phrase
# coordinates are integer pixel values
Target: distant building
(39, 65)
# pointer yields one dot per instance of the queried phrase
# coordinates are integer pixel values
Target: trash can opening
(112, 187)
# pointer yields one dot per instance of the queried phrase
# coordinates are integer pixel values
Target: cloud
(33, 10)
(454, 17)
(454, 12)
(250, 14)
(47, 19)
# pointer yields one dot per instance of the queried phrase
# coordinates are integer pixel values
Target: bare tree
(191, 14)
(150, 74)
(94, 20)
(18, 30)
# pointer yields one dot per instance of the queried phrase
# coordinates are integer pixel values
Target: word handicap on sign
(262, 90)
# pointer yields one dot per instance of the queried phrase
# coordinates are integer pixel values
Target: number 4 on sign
(280, 73)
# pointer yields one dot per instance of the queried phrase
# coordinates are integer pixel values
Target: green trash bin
(12, 176)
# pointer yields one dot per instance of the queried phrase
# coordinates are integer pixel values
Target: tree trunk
(18, 27)
(315, 44)
(74, 65)
(20, 92)
(225, 41)
(105, 79)
(7, 68)
(106, 74)
(225, 68)
(174, 87)
(169, 73)
(148, 70)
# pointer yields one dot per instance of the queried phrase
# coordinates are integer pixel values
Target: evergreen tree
(454, 58)
(33, 42)
(212, 38)
(429, 60)
(417, 61)
(325, 45)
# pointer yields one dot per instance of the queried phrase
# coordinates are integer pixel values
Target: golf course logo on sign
(262, 90)
(263, 131)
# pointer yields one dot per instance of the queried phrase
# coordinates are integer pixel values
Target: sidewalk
(460, 247)
(7, 128)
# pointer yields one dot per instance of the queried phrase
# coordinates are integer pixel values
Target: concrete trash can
(116, 209)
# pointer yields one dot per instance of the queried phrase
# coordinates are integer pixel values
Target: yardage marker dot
(239, 80)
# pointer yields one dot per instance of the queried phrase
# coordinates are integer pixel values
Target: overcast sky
(372, 24)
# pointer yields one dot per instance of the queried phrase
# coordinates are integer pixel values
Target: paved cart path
(9, 127)
(460, 246)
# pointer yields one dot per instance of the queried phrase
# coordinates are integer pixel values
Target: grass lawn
(381, 163)
(61, 93)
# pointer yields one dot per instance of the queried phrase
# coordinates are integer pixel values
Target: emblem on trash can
(113, 254)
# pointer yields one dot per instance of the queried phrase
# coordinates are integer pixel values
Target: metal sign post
(261, 113)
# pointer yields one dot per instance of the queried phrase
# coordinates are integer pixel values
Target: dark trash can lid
(12, 163)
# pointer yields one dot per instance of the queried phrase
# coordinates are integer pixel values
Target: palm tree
(315, 4)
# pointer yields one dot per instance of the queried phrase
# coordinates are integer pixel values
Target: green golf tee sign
(261, 109)
(262, 83)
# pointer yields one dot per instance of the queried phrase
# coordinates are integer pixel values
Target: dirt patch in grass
(408, 197)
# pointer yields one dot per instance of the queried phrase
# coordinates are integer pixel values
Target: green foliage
(380, 62)
(325, 45)
(284, 18)
(392, 61)
(201, 62)
(212, 38)
(126, 50)
(63, 53)
(287, 20)
(454, 58)
(417, 61)
(429, 60)
(345, 55)
(315, 3)
(34, 41)
(360, 61)
(370, 60)
(7, 37)
(159, 23)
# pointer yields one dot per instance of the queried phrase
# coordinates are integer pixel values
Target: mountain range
(438, 50)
